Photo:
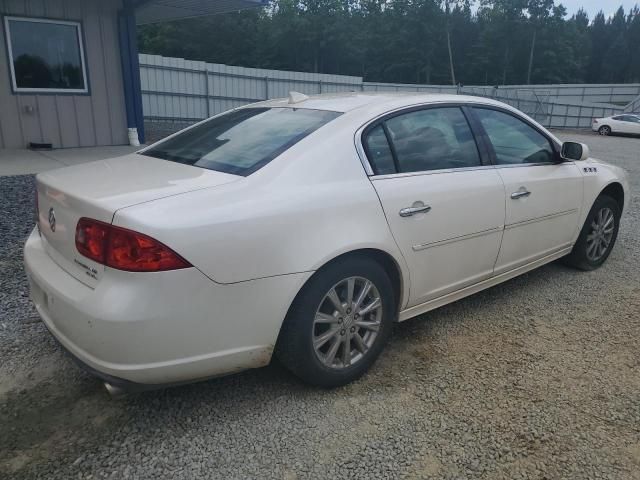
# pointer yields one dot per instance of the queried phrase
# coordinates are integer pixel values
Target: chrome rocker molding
(470, 290)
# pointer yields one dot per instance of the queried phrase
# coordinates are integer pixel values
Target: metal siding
(100, 107)
(69, 120)
(9, 127)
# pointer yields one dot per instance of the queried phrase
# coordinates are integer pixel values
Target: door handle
(418, 207)
(522, 193)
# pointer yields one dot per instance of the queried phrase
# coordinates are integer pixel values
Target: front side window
(514, 142)
(46, 55)
(241, 141)
(631, 118)
(433, 139)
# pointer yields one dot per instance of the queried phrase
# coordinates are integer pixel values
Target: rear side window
(379, 151)
(433, 139)
(423, 140)
(513, 140)
(241, 141)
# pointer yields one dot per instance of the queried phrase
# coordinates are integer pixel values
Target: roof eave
(156, 11)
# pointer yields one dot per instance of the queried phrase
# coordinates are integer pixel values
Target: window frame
(477, 124)
(46, 91)
(483, 154)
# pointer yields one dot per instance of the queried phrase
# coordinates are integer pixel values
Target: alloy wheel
(347, 322)
(601, 234)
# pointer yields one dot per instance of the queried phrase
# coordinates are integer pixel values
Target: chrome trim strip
(462, 101)
(539, 164)
(431, 172)
(439, 243)
(540, 219)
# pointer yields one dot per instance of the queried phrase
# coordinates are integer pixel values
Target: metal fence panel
(174, 88)
(185, 91)
(634, 106)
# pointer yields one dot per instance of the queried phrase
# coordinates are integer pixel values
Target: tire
(301, 331)
(604, 130)
(582, 256)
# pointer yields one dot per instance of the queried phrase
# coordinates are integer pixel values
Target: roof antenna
(297, 97)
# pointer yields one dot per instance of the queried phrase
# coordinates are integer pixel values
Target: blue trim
(131, 67)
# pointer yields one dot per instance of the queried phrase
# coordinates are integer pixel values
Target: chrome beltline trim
(439, 243)
(540, 219)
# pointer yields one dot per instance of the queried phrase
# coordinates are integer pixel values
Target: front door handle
(417, 207)
(522, 193)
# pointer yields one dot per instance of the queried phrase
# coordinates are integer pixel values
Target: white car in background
(305, 228)
(627, 123)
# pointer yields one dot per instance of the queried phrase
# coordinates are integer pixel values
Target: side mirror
(574, 151)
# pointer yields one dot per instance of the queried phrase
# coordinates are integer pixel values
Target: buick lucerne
(303, 228)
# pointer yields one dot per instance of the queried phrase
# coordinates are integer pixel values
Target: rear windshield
(241, 141)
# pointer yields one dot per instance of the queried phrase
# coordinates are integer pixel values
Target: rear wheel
(604, 130)
(339, 323)
(598, 235)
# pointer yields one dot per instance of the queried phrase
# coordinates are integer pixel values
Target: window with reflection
(46, 55)
(513, 140)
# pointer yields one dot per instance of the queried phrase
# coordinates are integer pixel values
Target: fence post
(266, 88)
(206, 88)
(319, 86)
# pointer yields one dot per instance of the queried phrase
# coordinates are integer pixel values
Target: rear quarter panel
(303, 209)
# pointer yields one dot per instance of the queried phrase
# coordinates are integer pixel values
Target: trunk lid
(97, 190)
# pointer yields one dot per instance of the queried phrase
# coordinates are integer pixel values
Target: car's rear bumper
(159, 328)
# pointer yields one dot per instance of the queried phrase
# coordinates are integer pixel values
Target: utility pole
(453, 73)
(533, 48)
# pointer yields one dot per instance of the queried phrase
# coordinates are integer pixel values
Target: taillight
(91, 239)
(124, 249)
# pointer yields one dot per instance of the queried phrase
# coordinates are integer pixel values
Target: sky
(592, 7)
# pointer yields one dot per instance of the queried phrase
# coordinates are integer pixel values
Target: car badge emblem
(52, 219)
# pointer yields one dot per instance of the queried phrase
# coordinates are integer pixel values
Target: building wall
(64, 120)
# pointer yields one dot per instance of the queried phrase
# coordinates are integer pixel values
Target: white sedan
(304, 228)
(627, 123)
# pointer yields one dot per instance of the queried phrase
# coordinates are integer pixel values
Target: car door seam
(395, 240)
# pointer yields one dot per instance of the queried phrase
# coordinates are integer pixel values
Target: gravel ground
(536, 378)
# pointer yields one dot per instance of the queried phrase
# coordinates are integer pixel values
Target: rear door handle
(418, 207)
(522, 193)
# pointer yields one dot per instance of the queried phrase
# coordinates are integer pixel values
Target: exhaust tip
(114, 391)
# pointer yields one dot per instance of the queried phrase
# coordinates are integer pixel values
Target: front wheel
(338, 324)
(605, 131)
(598, 235)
